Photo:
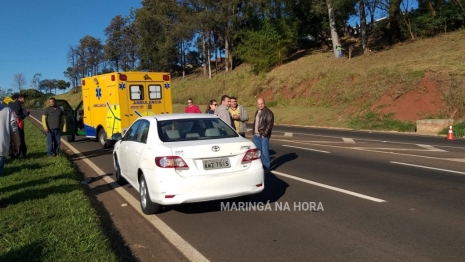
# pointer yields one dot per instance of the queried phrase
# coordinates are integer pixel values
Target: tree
(114, 45)
(62, 85)
(47, 84)
(35, 80)
(332, 26)
(19, 81)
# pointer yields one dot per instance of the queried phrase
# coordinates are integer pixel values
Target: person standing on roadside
(191, 107)
(211, 107)
(21, 114)
(239, 116)
(222, 111)
(53, 122)
(9, 135)
(262, 127)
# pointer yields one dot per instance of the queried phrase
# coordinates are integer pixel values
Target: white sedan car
(182, 158)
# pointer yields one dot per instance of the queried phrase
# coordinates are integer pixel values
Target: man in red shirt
(191, 107)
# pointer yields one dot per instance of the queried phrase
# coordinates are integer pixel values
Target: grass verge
(45, 213)
(386, 122)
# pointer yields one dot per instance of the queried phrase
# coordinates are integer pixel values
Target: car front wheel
(147, 206)
(119, 179)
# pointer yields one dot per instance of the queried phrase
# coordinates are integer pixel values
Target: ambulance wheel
(102, 138)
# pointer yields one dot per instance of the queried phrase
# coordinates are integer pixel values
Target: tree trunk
(332, 26)
(231, 57)
(209, 56)
(394, 25)
(226, 54)
(431, 8)
(363, 25)
(204, 55)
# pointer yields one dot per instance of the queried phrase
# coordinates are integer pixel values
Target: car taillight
(171, 162)
(250, 155)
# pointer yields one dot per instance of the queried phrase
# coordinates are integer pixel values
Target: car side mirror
(117, 136)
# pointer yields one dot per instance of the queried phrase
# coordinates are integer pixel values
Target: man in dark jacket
(262, 127)
(18, 108)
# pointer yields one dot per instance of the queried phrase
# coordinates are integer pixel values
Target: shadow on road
(90, 154)
(275, 188)
(281, 160)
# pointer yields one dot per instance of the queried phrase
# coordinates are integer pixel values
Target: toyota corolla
(184, 158)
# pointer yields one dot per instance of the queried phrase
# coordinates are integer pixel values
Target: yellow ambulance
(112, 102)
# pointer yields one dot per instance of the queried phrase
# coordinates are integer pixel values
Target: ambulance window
(154, 92)
(137, 92)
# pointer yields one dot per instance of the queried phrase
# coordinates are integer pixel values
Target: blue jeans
(53, 142)
(262, 143)
(2, 164)
(339, 53)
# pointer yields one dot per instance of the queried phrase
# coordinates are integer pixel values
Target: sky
(36, 35)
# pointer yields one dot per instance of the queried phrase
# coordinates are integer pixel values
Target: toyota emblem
(215, 148)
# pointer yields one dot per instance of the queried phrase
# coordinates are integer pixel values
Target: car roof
(178, 116)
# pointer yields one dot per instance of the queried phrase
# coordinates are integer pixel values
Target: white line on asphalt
(329, 187)
(431, 148)
(310, 149)
(288, 134)
(373, 140)
(427, 167)
(382, 152)
(348, 140)
(189, 251)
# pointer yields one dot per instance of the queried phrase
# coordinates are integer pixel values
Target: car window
(192, 129)
(143, 131)
(131, 133)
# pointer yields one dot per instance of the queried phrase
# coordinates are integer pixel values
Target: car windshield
(194, 129)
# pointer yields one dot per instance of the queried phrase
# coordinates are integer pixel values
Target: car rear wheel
(147, 206)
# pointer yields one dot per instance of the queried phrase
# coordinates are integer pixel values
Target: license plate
(216, 163)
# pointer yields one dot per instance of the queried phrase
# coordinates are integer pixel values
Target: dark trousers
(53, 142)
(22, 146)
(242, 134)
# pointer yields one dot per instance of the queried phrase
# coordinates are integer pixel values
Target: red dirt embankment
(422, 101)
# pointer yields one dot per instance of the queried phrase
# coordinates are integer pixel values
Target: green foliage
(448, 17)
(375, 121)
(31, 93)
(458, 129)
(267, 45)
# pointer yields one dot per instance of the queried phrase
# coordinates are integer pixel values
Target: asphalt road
(381, 197)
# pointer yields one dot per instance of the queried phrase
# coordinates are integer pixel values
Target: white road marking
(375, 140)
(288, 134)
(329, 187)
(189, 251)
(382, 152)
(310, 149)
(431, 148)
(348, 140)
(427, 167)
